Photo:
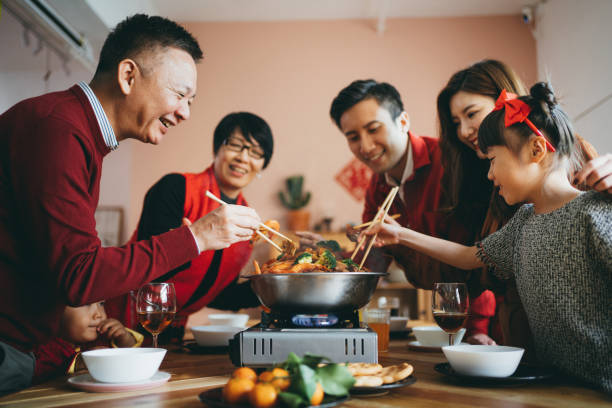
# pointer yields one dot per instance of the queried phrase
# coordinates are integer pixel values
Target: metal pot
(315, 292)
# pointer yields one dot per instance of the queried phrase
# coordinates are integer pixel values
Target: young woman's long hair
(469, 194)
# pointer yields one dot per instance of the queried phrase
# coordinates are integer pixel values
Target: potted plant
(295, 200)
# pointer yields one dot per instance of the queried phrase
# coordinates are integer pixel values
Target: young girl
(83, 327)
(558, 247)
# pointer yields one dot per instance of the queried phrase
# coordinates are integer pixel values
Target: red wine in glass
(450, 306)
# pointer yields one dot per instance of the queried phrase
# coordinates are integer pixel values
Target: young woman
(465, 101)
(558, 247)
(243, 146)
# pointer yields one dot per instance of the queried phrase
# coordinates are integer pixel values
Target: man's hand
(596, 174)
(225, 226)
(113, 330)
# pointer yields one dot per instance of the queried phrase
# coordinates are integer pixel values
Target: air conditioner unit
(53, 30)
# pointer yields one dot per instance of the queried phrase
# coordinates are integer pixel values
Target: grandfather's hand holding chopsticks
(225, 226)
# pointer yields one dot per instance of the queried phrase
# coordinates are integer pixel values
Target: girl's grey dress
(562, 262)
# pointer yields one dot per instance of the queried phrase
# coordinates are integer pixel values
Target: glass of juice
(379, 320)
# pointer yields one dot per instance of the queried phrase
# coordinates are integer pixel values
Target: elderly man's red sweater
(51, 152)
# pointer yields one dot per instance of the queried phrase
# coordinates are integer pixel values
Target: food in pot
(325, 257)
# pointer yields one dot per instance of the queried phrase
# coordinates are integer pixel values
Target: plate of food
(298, 381)
(376, 379)
(213, 398)
(525, 373)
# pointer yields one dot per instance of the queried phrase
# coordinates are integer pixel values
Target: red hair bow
(517, 111)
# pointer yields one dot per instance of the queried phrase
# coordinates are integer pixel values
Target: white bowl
(229, 319)
(433, 336)
(398, 323)
(483, 361)
(121, 365)
(214, 335)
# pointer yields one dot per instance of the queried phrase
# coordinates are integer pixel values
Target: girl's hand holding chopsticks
(388, 232)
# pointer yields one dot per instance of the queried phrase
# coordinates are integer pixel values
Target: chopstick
(279, 249)
(393, 193)
(378, 213)
(367, 224)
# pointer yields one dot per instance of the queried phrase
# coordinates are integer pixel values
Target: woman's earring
(258, 175)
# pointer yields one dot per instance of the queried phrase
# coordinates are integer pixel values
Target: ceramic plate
(525, 373)
(383, 388)
(213, 399)
(415, 345)
(87, 383)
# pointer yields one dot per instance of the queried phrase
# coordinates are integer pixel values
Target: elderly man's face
(162, 97)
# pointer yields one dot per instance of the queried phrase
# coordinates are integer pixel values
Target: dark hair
(251, 126)
(140, 33)
(385, 94)
(468, 192)
(546, 115)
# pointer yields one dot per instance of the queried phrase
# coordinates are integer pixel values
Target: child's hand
(480, 338)
(113, 330)
(388, 232)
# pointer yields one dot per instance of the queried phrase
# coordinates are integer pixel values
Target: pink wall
(289, 72)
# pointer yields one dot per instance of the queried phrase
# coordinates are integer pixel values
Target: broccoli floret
(327, 259)
(332, 245)
(304, 257)
(351, 265)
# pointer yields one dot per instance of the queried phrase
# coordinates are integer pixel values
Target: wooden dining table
(193, 372)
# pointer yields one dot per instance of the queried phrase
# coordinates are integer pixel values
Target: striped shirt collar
(105, 127)
(408, 172)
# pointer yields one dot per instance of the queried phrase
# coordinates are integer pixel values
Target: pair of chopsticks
(378, 218)
(261, 224)
(367, 224)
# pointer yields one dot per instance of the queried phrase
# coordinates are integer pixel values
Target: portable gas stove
(340, 337)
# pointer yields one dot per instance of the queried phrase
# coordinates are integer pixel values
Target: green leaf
(335, 379)
(312, 360)
(292, 363)
(303, 381)
(292, 400)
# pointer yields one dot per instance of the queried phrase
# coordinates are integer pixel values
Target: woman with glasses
(242, 146)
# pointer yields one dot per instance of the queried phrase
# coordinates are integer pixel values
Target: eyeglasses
(235, 145)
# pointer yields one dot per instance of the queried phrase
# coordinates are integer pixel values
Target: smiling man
(51, 152)
(371, 116)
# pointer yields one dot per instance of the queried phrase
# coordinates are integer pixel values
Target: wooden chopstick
(367, 224)
(215, 198)
(279, 249)
(378, 213)
(379, 221)
(272, 230)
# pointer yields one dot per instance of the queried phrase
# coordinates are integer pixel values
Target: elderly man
(51, 151)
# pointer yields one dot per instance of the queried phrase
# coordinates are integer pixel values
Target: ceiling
(113, 11)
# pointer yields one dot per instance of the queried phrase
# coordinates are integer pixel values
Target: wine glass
(450, 305)
(156, 306)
